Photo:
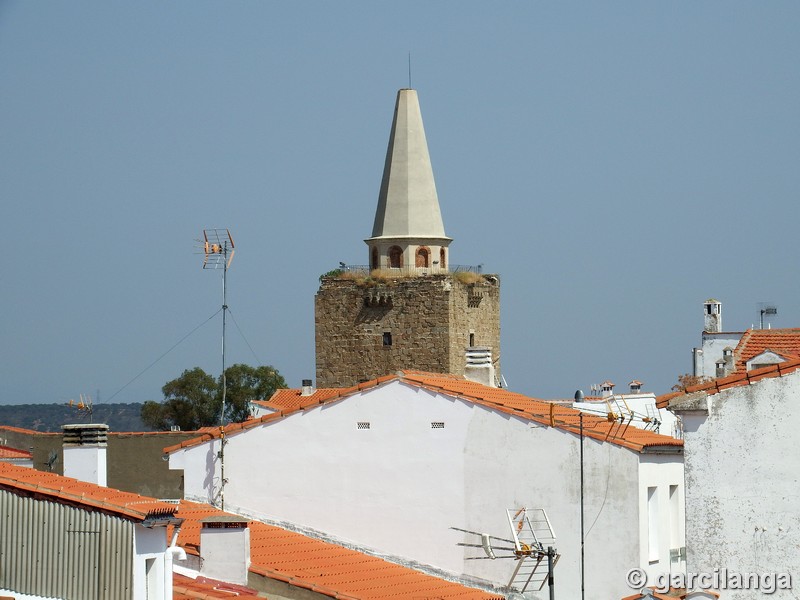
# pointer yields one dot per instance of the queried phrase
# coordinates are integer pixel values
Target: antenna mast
(218, 250)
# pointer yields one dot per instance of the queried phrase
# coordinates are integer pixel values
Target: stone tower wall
(475, 308)
(428, 318)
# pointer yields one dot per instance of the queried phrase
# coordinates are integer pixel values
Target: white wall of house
(152, 571)
(401, 485)
(712, 347)
(661, 515)
(742, 481)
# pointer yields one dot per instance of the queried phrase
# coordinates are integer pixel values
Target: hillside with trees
(49, 418)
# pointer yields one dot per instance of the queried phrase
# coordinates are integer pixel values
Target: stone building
(410, 308)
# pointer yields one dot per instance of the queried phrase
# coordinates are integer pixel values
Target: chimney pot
(84, 447)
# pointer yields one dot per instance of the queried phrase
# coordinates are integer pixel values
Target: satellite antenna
(767, 308)
(532, 545)
(218, 253)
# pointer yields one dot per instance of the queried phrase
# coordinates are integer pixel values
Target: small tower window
(387, 338)
(395, 257)
(423, 257)
(374, 264)
(442, 258)
(471, 340)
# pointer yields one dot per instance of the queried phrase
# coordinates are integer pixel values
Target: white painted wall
(150, 543)
(87, 463)
(401, 486)
(712, 347)
(665, 476)
(743, 481)
(225, 554)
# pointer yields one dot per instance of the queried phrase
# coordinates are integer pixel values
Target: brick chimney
(84, 450)
(225, 548)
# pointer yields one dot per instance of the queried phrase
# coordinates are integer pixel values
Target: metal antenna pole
(224, 313)
(218, 248)
(582, 535)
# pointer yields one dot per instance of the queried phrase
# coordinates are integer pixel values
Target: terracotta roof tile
(292, 399)
(753, 342)
(186, 588)
(734, 380)
(6, 452)
(67, 490)
(326, 568)
(27, 431)
(533, 409)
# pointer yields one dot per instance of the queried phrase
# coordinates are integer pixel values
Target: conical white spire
(408, 214)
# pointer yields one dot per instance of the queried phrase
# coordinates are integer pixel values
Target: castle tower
(410, 309)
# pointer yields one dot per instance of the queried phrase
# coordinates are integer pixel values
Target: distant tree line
(194, 399)
(48, 418)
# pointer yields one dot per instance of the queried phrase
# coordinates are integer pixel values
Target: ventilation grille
(437, 424)
(363, 424)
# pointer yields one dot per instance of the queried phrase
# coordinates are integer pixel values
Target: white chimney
(225, 548)
(636, 386)
(606, 389)
(85, 452)
(479, 367)
(712, 316)
(307, 389)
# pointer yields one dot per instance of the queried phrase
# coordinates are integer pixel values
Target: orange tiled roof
(28, 431)
(326, 568)
(753, 342)
(735, 380)
(291, 399)
(6, 452)
(186, 588)
(74, 492)
(540, 411)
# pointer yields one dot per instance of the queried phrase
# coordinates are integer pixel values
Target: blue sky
(616, 163)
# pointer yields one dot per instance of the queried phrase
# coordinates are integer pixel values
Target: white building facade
(743, 496)
(401, 469)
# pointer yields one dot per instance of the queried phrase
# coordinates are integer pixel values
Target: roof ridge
(517, 404)
(736, 379)
(58, 487)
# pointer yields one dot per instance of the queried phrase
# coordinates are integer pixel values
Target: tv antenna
(83, 405)
(766, 308)
(218, 253)
(532, 545)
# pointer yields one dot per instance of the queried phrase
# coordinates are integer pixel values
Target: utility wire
(178, 343)
(241, 333)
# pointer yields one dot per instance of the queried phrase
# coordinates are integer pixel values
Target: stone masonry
(366, 329)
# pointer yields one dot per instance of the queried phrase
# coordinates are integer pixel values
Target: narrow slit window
(387, 338)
